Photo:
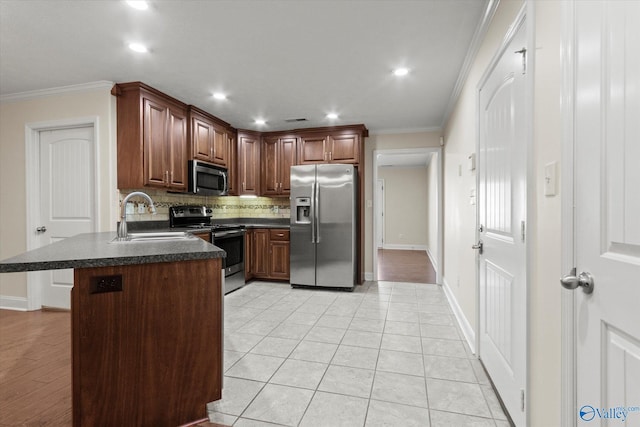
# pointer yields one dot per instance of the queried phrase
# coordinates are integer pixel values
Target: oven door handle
(227, 233)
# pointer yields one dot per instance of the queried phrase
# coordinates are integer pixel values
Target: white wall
(432, 206)
(544, 224)
(14, 116)
(545, 290)
(406, 207)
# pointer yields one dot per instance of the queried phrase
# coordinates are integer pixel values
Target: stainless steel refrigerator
(323, 225)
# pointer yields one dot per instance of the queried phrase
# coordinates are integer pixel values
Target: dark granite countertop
(247, 222)
(96, 250)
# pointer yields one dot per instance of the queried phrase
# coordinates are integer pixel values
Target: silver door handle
(584, 280)
(42, 229)
(478, 246)
(313, 213)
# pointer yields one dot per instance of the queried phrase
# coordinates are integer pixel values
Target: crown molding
(404, 130)
(43, 93)
(474, 47)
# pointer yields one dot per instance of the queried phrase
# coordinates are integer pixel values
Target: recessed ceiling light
(260, 122)
(332, 116)
(219, 95)
(137, 47)
(140, 5)
(401, 72)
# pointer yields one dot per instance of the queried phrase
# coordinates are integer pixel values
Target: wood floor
(35, 369)
(405, 266)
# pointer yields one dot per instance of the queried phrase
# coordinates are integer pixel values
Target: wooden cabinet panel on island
(248, 163)
(278, 155)
(150, 354)
(152, 138)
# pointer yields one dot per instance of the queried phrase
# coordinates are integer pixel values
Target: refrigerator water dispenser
(303, 210)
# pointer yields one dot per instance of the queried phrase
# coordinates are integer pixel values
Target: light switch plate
(550, 181)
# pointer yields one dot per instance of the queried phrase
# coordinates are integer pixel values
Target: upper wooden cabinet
(331, 145)
(278, 155)
(232, 166)
(152, 138)
(248, 163)
(208, 137)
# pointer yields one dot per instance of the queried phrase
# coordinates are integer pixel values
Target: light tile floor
(387, 354)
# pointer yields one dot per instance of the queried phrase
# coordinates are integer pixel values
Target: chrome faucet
(122, 227)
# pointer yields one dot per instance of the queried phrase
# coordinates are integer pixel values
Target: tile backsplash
(223, 206)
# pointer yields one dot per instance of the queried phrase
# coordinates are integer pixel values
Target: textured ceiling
(275, 59)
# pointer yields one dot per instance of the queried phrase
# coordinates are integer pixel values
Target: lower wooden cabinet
(267, 254)
(204, 236)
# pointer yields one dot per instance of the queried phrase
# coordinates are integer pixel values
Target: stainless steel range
(228, 237)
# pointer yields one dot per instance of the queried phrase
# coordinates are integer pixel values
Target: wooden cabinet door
(287, 159)
(154, 137)
(249, 164)
(261, 253)
(270, 177)
(220, 146)
(279, 260)
(312, 149)
(177, 161)
(206, 236)
(344, 149)
(248, 255)
(232, 167)
(201, 139)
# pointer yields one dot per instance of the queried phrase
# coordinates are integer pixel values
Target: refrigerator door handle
(316, 213)
(313, 213)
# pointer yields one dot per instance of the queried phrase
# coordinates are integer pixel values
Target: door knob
(41, 229)
(584, 280)
(478, 246)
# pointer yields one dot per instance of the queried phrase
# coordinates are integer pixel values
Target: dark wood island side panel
(150, 355)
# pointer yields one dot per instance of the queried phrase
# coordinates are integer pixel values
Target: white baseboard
(465, 326)
(368, 275)
(13, 303)
(404, 247)
(433, 260)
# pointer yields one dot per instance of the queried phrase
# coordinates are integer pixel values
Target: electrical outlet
(102, 284)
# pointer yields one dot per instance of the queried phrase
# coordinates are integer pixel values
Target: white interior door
(380, 214)
(607, 210)
(501, 214)
(67, 200)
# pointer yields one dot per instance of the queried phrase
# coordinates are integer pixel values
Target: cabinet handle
(330, 156)
(325, 156)
(170, 177)
(280, 235)
(165, 178)
(243, 186)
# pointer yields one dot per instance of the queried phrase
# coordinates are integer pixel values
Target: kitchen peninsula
(146, 324)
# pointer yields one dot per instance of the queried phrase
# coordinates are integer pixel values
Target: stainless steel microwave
(207, 180)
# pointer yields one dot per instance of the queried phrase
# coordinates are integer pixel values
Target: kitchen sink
(155, 237)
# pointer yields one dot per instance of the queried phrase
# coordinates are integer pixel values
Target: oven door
(232, 242)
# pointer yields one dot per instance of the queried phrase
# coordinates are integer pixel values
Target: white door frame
(379, 229)
(527, 14)
(439, 209)
(568, 378)
(32, 176)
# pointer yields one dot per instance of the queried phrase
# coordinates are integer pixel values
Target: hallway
(405, 266)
